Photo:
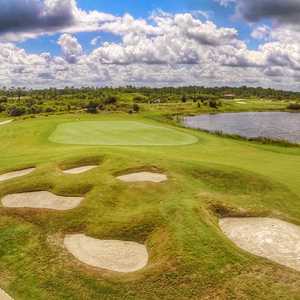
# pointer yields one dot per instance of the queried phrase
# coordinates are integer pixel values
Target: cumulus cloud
(286, 11)
(35, 16)
(283, 11)
(262, 32)
(177, 39)
(24, 19)
(70, 47)
(166, 49)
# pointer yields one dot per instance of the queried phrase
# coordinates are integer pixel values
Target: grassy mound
(119, 133)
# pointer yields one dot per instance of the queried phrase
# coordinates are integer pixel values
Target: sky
(57, 43)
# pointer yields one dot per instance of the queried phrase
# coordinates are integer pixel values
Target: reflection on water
(274, 125)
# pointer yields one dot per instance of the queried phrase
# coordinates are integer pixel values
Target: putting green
(119, 133)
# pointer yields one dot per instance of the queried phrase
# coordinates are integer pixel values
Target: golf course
(160, 224)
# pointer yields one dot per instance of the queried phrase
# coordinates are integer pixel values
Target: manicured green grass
(190, 258)
(119, 133)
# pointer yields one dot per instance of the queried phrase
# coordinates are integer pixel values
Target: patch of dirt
(16, 174)
(4, 296)
(113, 255)
(79, 170)
(274, 239)
(143, 177)
(40, 200)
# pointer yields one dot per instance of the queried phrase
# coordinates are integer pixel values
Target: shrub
(140, 99)
(3, 99)
(111, 100)
(49, 109)
(92, 107)
(213, 104)
(15, 111)
(136, 108)
(35, 109)
(294, 106)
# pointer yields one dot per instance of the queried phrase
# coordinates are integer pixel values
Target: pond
(273, 125)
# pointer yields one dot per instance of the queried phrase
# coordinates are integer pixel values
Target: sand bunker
(4, 296)
(16, 174)
(274, 239)
(118, 256)
(40, 200)
(4, 123)
(143, 177)
(79, 170)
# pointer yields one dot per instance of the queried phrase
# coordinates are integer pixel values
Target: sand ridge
(274, 239)
(4, 295)
(79, 170)
(16, 174)
(40, 200)
(113, 255)
(143, 177)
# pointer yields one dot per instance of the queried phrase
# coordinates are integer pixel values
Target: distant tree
(183, 98)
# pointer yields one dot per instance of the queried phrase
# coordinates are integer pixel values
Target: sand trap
(16, 174)
(274, 239)
(118, 256)
(40, 200)
(4, 123)
(4, 296)
(79, 170)
(143, 176)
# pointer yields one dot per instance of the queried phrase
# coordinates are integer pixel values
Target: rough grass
(190, 258)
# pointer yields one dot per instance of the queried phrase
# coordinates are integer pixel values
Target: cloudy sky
(150, 42)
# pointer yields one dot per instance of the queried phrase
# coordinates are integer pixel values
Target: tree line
(16, 101)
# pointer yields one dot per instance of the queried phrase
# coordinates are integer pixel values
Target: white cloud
(262, 32)
(166, 49)
(70, 47)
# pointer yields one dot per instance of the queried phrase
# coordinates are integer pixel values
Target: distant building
(229, 96)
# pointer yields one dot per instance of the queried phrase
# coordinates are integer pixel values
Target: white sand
(118, 256)
(4, 296)
(16, 174)
(4, 123)
(40, 200)
(143, 177)
(274, 239)
(79, 170)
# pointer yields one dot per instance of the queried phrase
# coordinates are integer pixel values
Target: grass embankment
(193, 108)
(190, 258)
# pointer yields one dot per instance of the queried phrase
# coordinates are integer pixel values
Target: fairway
(119, 133)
